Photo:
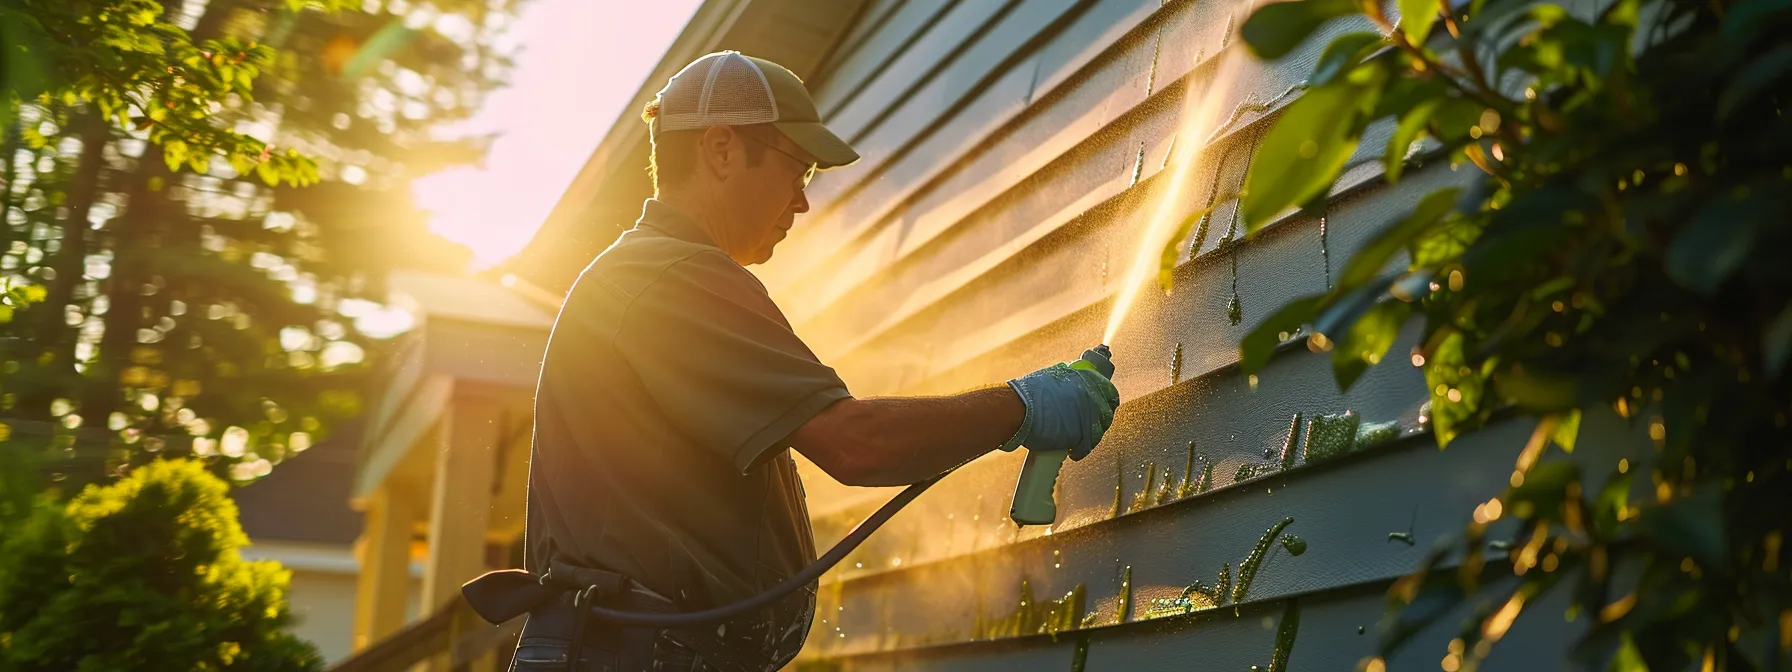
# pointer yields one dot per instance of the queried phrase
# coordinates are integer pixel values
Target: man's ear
(715, 151)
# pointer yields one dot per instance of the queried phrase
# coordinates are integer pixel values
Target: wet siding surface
(1015, 153)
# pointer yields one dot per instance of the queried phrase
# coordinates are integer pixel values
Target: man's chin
(759, 257)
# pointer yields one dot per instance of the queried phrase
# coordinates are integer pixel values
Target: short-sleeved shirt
(669, 385)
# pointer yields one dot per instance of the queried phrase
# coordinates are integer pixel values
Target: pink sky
(580, 62)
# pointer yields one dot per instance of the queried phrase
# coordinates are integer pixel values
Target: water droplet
(1285, 634)
(1142, 500)
(1119, 486)
(1295, 545)
(1081, 658)
(1247, 570)
(1325, 251)
(1331, 436)
(1371, 435)
(1138, 166)
(1291, 443)
(1124, 608)
(1157, 49)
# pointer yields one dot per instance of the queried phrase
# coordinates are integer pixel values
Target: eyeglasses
(809, 168)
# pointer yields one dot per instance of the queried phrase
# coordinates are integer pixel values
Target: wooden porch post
(460, 501)
(385, 554)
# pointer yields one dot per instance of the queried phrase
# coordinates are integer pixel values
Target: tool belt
(558, 605)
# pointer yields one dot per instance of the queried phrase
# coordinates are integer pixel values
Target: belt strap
(499, 596)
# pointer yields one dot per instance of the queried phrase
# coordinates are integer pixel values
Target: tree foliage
(121, 60)
(209, 195)
(1619, 249)
(144, 574)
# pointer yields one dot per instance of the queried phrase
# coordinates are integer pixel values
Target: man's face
(762, 200)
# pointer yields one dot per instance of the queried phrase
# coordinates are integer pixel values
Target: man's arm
(902, 440)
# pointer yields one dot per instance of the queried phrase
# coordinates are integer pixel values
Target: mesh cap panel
(721, 89)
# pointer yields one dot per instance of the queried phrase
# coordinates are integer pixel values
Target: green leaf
(1404, 93)
(1538, 390)
(1552, 287)
(1629, 658)
(1410, 128)
(1595, 49)
(1302, 154)
(1416, 18)
(1255, 349)
(1690, 526)
(1369, 261)
(1613, 498)
(1367, 341)
(1714, 244)
(1529, 226)
(1746, 20)
(1776, 342)
(1454, 117)
(1753, 79)
(1344, 52)
(174, 153)
(1277, 28)
(1447, 369)
(1435, 594)
(1544, 488)
(1343, 306)
(25, 66)
(1567, 430)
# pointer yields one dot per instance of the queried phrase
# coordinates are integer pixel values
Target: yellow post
(384, 552)
(460, 502)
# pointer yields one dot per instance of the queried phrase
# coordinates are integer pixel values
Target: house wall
(1016, 155)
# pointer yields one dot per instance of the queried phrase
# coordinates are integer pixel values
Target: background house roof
(605, 197)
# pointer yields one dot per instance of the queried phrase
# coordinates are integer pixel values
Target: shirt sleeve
(720, 360)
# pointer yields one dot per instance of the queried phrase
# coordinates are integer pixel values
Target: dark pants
(547, 637)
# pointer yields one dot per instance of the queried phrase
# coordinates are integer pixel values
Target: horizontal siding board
(827, 228)
(991, 54)
(1328, 641)
(1061, 275)
(959, 184)
(915, 65)
(858, 68)
(1123, 81)
(876, 15)
(1098, 168)
(1407, 487)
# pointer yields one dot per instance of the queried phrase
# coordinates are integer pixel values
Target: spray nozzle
(1034, 503)
(1101, 358)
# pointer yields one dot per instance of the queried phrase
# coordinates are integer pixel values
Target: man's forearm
(902, 440)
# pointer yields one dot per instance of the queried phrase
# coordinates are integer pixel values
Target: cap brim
(828, 149)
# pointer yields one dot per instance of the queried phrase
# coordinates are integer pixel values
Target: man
(672, 388)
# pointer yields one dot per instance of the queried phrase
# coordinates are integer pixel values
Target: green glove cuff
(1026, 422)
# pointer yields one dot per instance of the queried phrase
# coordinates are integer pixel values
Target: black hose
(787, 586)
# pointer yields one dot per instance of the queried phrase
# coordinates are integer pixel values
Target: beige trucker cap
(728, 89)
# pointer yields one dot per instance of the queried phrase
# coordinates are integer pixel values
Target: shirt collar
(657, 215)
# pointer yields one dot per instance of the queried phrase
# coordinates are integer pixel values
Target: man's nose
(800, 204)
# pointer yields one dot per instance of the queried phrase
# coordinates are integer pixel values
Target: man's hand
(1067, 408)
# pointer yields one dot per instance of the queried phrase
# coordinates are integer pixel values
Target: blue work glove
(1068, 406)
